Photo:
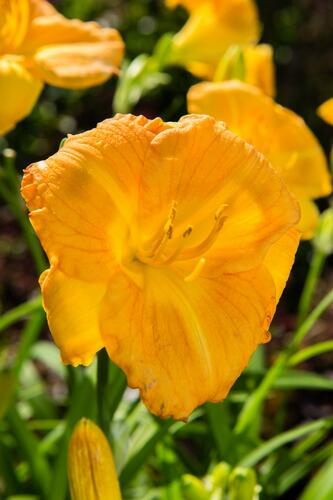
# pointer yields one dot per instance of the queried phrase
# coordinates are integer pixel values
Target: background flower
(278, 133)
(325, 111)
(37, 45)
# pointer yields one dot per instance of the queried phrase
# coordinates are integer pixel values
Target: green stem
(102, 382)
(20, 312)
(28, 444)
(253, 403)
(9, 157)
(28, 337)
(315, 269)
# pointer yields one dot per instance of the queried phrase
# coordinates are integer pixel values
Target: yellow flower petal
(80, 197)
(212, 28)
(184, 343)
(277, 132)
(72, 309)
(91, 470)
(325, 111)
(41, 8)
(204, 172)
(309, 218)
(280, 258)
(72, 54)
(19, 92)
(14, 21)
(259, 67)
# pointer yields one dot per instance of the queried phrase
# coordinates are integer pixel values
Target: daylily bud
(323, 239)
(242, 484)
(220, 476)
(91, 469)
(193, 488)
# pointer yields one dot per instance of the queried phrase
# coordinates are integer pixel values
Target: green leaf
(311, 351)
(48, 354)
(300, 468)
(28, 444)
(321, 486)
(292, 379)
(220, 422)
(277, 442)
(144, 449)
(20, 312)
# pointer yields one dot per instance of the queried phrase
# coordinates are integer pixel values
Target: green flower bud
(193, 488)
(242, 484)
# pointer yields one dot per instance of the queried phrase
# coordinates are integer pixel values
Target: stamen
(157, 242)
(196, 271)
(182, 243)
(205, 245)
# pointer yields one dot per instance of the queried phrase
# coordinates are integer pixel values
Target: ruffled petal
(82, 199)
(19, 92)
(171, 349)
(72, 309)
(14, 21)
(201, 167)
(70, 53)
(278, 133)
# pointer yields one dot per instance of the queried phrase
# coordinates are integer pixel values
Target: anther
(182, 242)
(188, 232)
(190, 253)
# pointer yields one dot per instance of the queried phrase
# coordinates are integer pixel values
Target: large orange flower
(37, 45)
(170, 245)
(278, 133)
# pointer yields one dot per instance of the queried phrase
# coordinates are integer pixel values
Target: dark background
(301, 32)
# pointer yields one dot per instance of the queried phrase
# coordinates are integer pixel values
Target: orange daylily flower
(278, 133)
(325, 111)
(38, 45)
(212, 27)
(170, 245)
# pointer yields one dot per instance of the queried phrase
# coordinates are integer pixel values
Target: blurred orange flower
(37, 45)
(170, 245)
(325, 111)
(212, 27)
(278, 133)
